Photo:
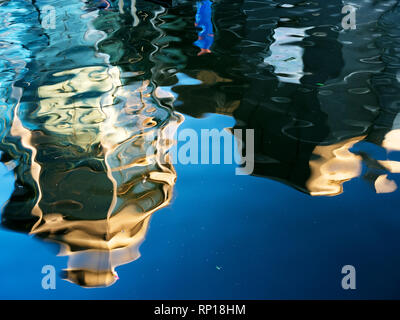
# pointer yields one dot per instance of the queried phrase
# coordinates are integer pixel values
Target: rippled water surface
(89, 110)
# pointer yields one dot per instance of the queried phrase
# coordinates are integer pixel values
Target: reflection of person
(203, 21)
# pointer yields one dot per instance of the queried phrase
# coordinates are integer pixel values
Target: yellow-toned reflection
(104, 168)
(392, 140)
(334, 165)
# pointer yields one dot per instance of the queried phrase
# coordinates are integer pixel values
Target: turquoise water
(88, 112)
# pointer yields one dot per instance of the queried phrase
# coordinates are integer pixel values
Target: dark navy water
(87, 110)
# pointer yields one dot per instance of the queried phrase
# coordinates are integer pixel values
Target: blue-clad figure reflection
(204, 22)
(103, 4)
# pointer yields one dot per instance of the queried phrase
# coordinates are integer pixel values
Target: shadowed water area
(89, 110)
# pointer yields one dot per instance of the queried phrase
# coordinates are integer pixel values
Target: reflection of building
(308, 94)
(91, 133)
(104, 230)
(93, 151)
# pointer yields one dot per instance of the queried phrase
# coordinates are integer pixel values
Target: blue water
(77, 99)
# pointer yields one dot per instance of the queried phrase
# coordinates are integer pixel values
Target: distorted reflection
(93, 149)
(281, 74)
(286, 55)
(89, 109)
(204, 23)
